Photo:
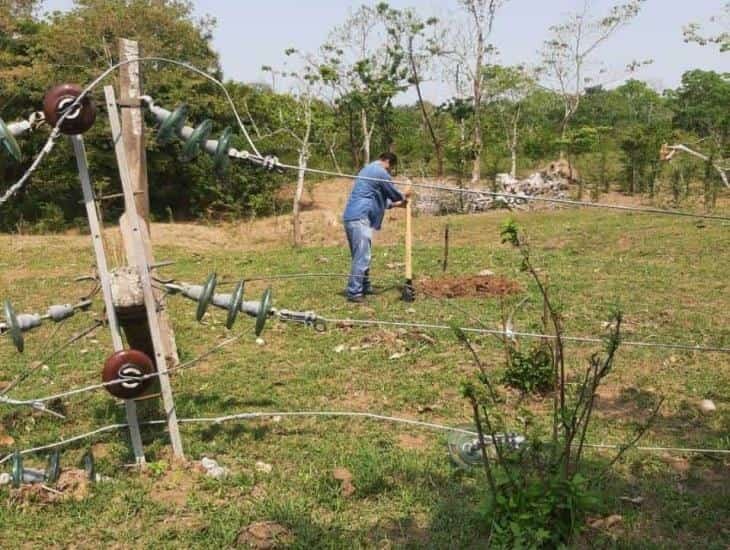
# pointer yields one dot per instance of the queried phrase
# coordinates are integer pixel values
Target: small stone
(707, 406)
(340, 348)
(219, 472)
(208, 463)
(411, 310)
(83, 351)
(263, 467)
(260, 341)
(486, 273)
(396, 356)
(277, 419)
(4, 478)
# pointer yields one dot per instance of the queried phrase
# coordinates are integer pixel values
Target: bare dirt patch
(475, 286)
(263, 535)
(344, 476)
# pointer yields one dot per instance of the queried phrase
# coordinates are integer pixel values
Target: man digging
(369, 199)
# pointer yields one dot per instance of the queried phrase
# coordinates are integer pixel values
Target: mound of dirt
(470, 286)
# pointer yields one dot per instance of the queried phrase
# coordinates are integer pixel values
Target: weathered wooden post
(135, 241)
(145, 323)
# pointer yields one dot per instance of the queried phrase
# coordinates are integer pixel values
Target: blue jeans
(359, 236)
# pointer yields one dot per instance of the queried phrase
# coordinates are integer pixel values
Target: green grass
(668, 275)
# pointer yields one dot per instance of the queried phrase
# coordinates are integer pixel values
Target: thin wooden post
(445, 263)
(143, 267)
(103, 270)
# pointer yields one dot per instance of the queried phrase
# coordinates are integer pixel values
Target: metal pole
(144, 274)
(96, 237)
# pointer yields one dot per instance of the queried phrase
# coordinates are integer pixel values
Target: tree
(420, 41)
(509, 88)
(75, 46)
(720, 36)
(701, 105)
(298, 124)
(567, 54)
(366, 66)
(468, 56)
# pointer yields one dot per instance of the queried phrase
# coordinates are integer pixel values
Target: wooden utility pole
(130, 88)
(147, 328)
(136, 241)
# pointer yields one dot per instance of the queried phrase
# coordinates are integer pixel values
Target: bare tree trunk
(334, 159)
(302, 165)
(462, 145)
(514, 141)
(365, 136)
(477, 144)
(476, 172)
(296, 209)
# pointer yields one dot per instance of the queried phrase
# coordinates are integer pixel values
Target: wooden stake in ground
(409, 293)
(446, 248)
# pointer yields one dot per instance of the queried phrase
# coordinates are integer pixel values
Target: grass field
(670, 276)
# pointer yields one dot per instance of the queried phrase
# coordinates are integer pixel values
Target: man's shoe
(356, 299)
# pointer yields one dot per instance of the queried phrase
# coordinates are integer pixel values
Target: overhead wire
(336, 414)
(55, 134)
(274, 162)
(56, 131)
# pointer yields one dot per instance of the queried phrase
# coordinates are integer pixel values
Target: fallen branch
(668, 151)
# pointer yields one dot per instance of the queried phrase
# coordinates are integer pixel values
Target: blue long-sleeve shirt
(369, 199)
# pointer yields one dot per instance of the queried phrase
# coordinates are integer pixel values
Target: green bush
(530, 371)
(542, 512)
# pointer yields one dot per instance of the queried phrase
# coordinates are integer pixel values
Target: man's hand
(400, 204)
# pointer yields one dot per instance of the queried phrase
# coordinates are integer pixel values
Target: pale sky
(250, 34)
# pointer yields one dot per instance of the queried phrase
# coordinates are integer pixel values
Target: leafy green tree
(701, 105)
(75, 46)
(366, 65)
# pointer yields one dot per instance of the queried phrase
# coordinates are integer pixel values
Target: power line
(336, 414)
(532, 335)
(39, 403)
(267, 161)
(56, 132)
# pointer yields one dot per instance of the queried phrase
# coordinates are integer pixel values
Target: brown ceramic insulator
(58, 98)
(127, 364)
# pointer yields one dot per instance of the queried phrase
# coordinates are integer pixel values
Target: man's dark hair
(391, 158)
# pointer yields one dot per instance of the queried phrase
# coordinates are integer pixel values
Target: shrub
(538, 495)
(530, 371)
